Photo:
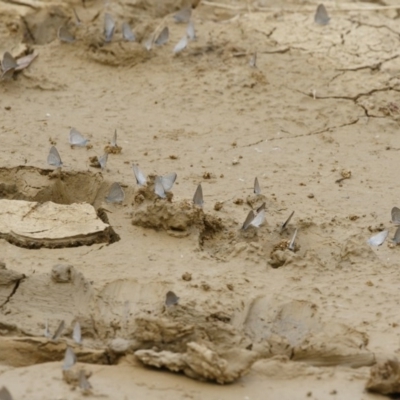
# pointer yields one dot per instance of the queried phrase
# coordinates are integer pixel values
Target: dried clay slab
(35, 225)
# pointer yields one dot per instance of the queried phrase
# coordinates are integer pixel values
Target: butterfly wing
(257, 189)
(181, 45)
(54, 158)
(259, 219)
(5, 394)
(183, 15)
(396, 238)
(84, 384)
(59, 330)
(162, 37)
(64, 35)
(378, 239)
(127, 33)
(190, 31)
(291, 244)
(396, 215)
(69, 359)
(171, 299)
(140, 177)
(253, 60)
(76, 139)
(321, 15)
(116, 194)
(109, 27)
(168, 181)
(103, 160)
(285, 224)
(248, 220)
(198, 196)
(8, 62)
(77, 334)
(159, 188)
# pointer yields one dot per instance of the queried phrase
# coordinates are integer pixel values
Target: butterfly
(76, 334)
(163, 37)
(181, 45)
(396, 215)
(84, 384)
(255, 219)
(163, 184)
(183, 15)
(54, 158)
(396, 238)
(59, 331)
(190, 31)
(46, 330)
(127, 33)
(285, 224)
(198, 196)
(321, 15)
(291, 244)
(109, 27)
(77, 19)
(116, 194)
(114, 140)
(140, 177)
(257, 189)
(8, 65)
(69, 359)
(253, 60)
(378, 239)
(76, 139)
(103, 160)
(64, 35)
(5, 394)
(171, 299)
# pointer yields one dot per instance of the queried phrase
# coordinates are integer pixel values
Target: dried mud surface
(253, 317)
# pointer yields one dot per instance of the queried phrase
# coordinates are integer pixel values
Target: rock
(119, 345)
(61, 273)
(200, 362)
(385, 377)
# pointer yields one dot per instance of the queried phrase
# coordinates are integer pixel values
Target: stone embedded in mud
(8, 277)
(72, 375)
(207, 364)
(61, 273)
(119, 345)
(280, 258)
(173, 361)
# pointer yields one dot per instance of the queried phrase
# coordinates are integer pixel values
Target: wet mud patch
(297, 329)
(41, 185)
(41, 26)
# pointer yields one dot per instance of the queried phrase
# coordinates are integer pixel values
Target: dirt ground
(254, 320)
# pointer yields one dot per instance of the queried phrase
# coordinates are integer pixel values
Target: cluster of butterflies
(10, 65)
(162, 184)
(76, 139)
(380, 238)
(182, 16)
(257, 217)
(70, 357)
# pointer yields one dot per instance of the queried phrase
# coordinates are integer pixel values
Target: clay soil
(254, 319)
